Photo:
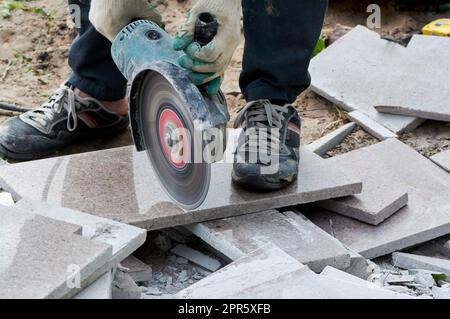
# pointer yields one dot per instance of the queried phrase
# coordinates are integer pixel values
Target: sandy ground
(34, 49)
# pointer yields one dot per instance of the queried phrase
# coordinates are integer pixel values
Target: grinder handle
(206, 28)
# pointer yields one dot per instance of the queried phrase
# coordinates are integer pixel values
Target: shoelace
(267, 119)
(64, 97)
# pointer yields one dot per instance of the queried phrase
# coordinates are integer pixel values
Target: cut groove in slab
(237, 236)
(426, 216)
(120, 184)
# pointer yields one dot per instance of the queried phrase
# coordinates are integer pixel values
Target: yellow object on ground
(439, 27)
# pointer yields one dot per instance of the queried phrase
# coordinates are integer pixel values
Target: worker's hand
(111, 16)
(209, 63)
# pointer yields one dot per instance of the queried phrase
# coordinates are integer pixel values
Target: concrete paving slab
(120, 184)
(101, 289)
(196, 257)
(371, 126)
(351, 73)
(424, 81)
(269, 273)
(425, 217)
(410, 261)
(238, 236)
(137, 269)
(43, 258)
(442, 159)
(331, 140)
(379, 200)
(123, 238)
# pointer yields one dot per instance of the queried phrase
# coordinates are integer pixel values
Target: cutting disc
(168, 132)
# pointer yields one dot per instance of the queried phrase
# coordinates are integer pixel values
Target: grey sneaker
(66, 118)
(267, 157)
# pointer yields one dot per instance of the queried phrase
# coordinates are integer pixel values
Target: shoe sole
(260, 183)
(34, 156)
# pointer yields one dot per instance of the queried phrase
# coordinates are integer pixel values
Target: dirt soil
(34, 50)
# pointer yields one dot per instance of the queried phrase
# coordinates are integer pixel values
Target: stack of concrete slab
(269, 273)
(120, 184)
(52, 252)
(399, 169)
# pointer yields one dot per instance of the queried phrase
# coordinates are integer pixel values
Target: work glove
(209, 63)
(109, 17)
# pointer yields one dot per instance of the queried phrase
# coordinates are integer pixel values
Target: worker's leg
(94, 71)
(94, 103)
(280, 37)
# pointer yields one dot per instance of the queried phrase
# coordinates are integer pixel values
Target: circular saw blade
(162, 111)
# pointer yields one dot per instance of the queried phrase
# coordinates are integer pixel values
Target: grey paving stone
(371, 126)
(424, 76)
(269, 273)
(196, 257)
(120, 184)
(410, 261)
(137, 269)
(331, 140)
(41, 257)
(360, 267)
(352, 74)
(238, 236)
(379, 200)
(425, 217)
(123, 238)
(443, 160)
(101, 289)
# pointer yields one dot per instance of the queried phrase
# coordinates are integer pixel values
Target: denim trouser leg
(280, 38)
(93, 70)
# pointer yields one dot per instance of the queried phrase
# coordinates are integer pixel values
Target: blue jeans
(280, 37)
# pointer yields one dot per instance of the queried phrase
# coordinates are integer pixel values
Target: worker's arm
(209, 63)
(111, 16)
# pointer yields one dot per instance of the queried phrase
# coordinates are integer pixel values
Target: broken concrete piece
(119, 184)
(378, 201)
(410, 261)
(442, 159)
(351, 73)
(124, 287)
(371, 126)
(298, 237)
(361, 267)
(343, 276)
(425, 217)
(253, 277)
(441, 292)
(424, 92)
(330, 141)
(6, 199)
(44, 258)
(196, 257)
(138, 270)
(101, 289)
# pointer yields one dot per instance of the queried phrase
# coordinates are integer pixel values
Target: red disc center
(174, 138)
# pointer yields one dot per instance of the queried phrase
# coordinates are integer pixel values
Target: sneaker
(66, 118)
(268, 153)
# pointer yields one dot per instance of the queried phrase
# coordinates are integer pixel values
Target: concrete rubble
(372, 223)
